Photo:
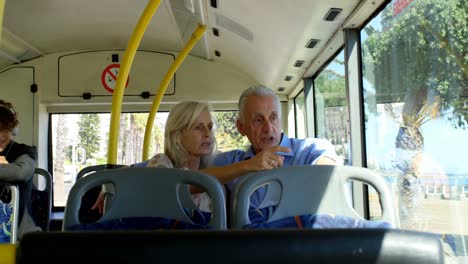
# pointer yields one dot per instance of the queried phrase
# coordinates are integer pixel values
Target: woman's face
(6, 136)
(198, 139)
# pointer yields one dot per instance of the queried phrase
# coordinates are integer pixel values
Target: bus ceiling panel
(57, 26)
(187, 15)
(63, 78)
(96, 73)
(362, 13)
(355, 19)
(265, 38)
(322, 30)
(15, 50)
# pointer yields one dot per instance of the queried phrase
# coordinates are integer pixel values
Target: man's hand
(267, 159)
(3, 160)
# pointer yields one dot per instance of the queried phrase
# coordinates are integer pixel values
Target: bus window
(415, 101)
(290, 119)
(299, 103)
(227, 136)
(331, 106)
(80, 140)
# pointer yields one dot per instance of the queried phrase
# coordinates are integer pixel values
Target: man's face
(261, 122)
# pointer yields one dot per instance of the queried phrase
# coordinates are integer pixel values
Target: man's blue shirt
(303, 152)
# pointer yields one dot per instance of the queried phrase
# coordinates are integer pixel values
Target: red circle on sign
(109, 77)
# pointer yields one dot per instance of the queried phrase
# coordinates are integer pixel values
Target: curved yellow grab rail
(127, 61)
(7, 253)
(196, 35)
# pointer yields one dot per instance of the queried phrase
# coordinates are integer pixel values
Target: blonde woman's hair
(183, 116)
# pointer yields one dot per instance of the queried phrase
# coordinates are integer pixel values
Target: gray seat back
(184, 190)
(47, 206)
(108, 191)
(147, 192)
(91, 169)
(310, 190)
(379, 246)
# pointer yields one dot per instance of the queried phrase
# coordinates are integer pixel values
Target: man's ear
(240, 127)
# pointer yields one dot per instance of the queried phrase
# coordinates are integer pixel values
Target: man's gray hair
(258, 91)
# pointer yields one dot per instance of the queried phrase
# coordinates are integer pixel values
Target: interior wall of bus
(64, 79)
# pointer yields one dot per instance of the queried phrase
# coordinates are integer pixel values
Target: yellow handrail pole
(127, 61)
(7, 253)
(196, 35)
(2, 10)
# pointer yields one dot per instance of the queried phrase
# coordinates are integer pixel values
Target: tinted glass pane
(332, 107)
(416, 107)
(81, 140)
(300, 115)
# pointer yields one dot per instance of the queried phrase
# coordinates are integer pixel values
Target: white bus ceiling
(38, 33)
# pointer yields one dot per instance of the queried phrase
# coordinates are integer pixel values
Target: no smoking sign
(109, 77)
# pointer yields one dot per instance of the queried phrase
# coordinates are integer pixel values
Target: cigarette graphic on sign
(109, 77)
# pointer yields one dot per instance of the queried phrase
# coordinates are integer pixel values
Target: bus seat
(86, 215)
(91, 169)
(41, 199)
(9, 212)
(233, 246)
(185, 195)
(310, 190)
(272, 195)
(146, 192)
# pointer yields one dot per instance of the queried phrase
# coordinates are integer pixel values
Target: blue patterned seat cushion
(259, 218)
(319, 221)
(139, 223)
(6, 219)
(200, 221)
